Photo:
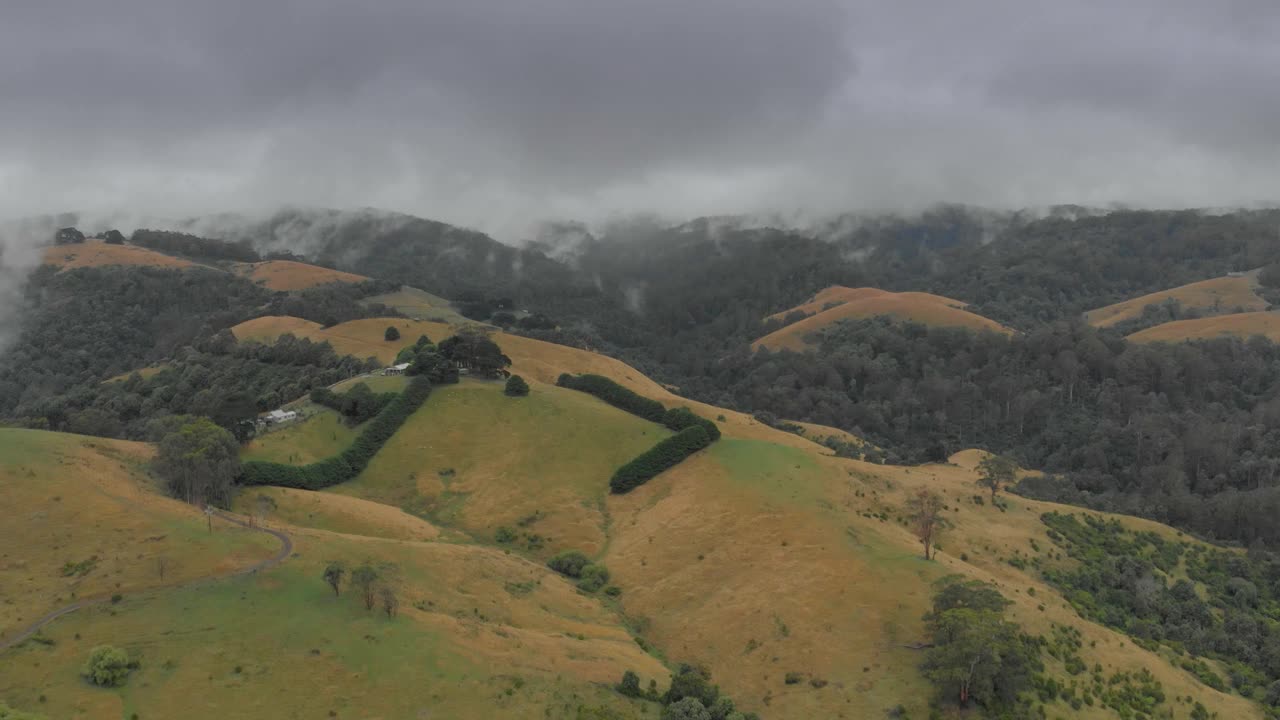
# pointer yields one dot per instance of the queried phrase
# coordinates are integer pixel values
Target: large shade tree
(199, 462)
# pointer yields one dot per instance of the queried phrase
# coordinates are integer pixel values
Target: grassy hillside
(478, 634)
(838, 303)
(95, 253)
(419, 305)
(1217, 295)
(1237, 325)
(304, 441)
(477, 459)
(763, 557)
(82, 521)
(290, 275)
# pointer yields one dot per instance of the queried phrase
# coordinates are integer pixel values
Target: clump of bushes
(357, 404)
(350, 462)
(691, 696)
(516, 387)
(573, 564)
(108, 666)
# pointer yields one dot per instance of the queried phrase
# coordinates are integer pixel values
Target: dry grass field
(1241, 325)
(1217, 295)
(81, 520)
(95, 253)
(858, 303)
(288, 275)
(761, 556)
(419, 305)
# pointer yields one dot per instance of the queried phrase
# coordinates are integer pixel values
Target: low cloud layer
(499, 113)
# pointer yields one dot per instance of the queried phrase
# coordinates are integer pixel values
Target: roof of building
(401, 366)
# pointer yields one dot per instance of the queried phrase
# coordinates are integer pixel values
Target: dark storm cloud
(495, 113)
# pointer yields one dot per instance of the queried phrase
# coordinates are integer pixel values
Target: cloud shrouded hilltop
(498, 115)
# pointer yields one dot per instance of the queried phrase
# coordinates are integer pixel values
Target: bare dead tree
(390, 603)
(925, 508)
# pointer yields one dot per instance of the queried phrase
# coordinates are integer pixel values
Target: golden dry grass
(858, 303)
(269, 327)
(479, 634)
(70, 498)
(759, 561)
(419, 305)
(337, 513)
(95, 253)
(289, 275)
(1217, 295)
(1242, 325)
(532, 359)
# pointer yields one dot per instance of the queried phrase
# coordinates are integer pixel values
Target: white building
(396, 369)
(279, 416)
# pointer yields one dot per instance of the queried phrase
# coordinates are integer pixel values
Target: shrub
(516, 386)
(630, 685)
(570, 563)
(391, 335)
(666, 454)
(108, 666)
(593, 577)
(350, 462)
(504, 535)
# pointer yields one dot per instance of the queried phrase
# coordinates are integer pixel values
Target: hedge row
(692, 432)
(665, 455)
(682, 417)
(347, 464)
(676, 419)
(614, 394)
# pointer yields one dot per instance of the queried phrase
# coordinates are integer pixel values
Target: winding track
(286, 549)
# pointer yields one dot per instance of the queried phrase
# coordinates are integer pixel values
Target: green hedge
(692, 432)
(614, 394)
(682, 417)
(663, 456)
(350, 462)
(676, 419)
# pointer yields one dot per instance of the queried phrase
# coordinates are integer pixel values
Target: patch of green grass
(473, 458)
(320, 436)
(779, 471)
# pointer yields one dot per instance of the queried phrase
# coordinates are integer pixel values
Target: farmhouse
(280, 416)
(396, 369)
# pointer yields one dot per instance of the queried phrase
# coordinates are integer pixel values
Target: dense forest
(1188, 434)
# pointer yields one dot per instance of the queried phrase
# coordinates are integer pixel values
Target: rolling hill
(761, 557)
(1242, 325)
(1231, 294)
(838, 303)
(95, 253)
(289, 275)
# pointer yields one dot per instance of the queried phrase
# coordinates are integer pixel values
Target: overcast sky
(494, 113)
